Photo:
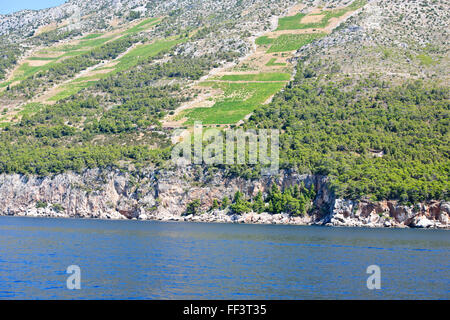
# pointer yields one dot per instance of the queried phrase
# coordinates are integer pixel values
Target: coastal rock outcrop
(164, 195)
(388, 213)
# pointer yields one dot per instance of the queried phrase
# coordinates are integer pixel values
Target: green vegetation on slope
(57, 71)
(113, 128)
(71, 89)
(294, 200)
(129, 60)
(294, 22)
(147, 23)
(144, 51)
(92, 36)
(263, 40)
(272, 63)
(52, 36)
(426, 60)
(239, 100)
(85, 46)
(371, 139)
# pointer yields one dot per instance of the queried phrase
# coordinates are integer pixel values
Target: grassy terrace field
(238, 100)
(92, 36)
(71, 89)
(264, 40)
(290, 42)
(236, 92)
(272, 63)
(240, 95)
(295, 22)
(253, 89)
(142, 26)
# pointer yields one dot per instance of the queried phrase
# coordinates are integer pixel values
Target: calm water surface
(156, 260)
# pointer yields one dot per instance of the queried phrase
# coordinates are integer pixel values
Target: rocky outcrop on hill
(164, 195)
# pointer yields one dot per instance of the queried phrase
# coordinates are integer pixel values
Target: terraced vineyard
(220, 101)
(316, 19)
(126, 61)
(51, 58)
(238, 99)
(231, 94)
(44, 59)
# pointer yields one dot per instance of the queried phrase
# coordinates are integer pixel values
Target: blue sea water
(180, 260)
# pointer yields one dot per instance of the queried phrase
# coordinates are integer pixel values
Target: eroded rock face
(389, 214)
(164, 195)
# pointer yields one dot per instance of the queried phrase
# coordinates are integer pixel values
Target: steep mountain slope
(358, 90)
(369, 105)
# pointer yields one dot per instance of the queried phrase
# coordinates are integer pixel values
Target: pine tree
(215, 205)
(275, 200)
(258, 203)
(225, 203)
(240, 205)
(296, 193)
(193, 207)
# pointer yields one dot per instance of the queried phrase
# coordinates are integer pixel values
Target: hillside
(358, 89)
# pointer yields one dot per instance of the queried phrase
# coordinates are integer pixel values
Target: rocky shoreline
(224, 216)
(163, 195)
